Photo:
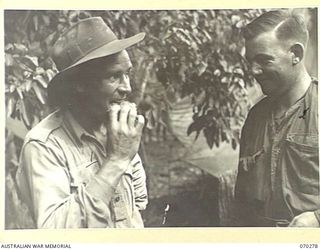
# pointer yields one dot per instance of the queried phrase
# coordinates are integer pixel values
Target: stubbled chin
(267, 91)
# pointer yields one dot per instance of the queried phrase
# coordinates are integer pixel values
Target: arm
(44, 183)
(44, 179)
(243, 210)
(139, 184)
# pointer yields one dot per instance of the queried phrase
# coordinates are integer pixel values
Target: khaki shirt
(57, 179)
(278, 173)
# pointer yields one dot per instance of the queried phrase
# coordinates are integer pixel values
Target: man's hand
(124, 131)
(306, 219)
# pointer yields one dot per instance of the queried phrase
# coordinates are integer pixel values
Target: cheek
(277, 72)
(107, 91)
(103, 96)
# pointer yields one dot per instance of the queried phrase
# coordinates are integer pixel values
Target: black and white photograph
(161, 118)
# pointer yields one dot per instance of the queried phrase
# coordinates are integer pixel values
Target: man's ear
(297, 51)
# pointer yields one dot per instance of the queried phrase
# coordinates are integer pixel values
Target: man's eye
(118, 76)
(129, 73)
(115, 77)
(112, 78)
(265, 62)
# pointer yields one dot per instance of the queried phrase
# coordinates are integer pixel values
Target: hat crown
(79, 40)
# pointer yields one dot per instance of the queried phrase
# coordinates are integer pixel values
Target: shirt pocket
(119, 205)
(251, 176)
(301, 161)
(122, 201)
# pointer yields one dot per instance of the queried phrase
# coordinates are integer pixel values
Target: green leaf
(234, 143)
(192, 128)
(240, 24)
(46, 19)
(41, 80)
(202, 68)
(35, 48)
(20, 48)
(32, 60)
(36, 22)
(209, 135)
(235, 19)
(11, 105)
(12, 80)
(50, 74)
(28, 84)
(9, 61)
(224, 136)
(39, 93)
(26, 114)
(12, 88)
(6, 89)
(26, 63)
(20, 92)
(238, 71)
(197, 125)
(8, 47)
(39, 71)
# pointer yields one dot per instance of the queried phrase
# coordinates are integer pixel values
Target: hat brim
(105, 50)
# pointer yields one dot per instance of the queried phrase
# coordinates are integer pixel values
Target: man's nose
(125, 87)
(256, 69)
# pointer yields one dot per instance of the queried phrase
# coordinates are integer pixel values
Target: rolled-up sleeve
(44, 184)
(139, 184)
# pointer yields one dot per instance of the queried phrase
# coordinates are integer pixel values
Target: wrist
(114, 166)
(112, 169)
(117, 160)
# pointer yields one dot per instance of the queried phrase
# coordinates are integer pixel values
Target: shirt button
(117, 199)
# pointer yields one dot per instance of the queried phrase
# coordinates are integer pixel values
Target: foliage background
(195, 53)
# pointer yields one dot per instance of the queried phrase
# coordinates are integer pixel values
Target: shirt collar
(73, 127)
(302, 102)
(76, 131)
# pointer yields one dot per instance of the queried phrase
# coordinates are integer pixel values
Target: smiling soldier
(79, 166)
(278, 177)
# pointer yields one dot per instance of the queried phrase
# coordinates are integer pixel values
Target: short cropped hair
(287, 24)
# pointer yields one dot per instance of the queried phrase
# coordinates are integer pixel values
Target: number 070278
(309, 246)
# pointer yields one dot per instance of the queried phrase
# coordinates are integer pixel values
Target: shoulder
(260, 107)
(45, 128)
(259, 111)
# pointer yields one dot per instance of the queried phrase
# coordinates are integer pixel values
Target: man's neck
(299, 87)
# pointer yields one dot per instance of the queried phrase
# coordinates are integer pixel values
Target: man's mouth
(118, 101)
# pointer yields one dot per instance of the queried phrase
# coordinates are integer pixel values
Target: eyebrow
(111, 72)
(120, 70)
(259, 57)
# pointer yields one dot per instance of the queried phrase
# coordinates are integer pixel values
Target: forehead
(117, 62)
(265, 43)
